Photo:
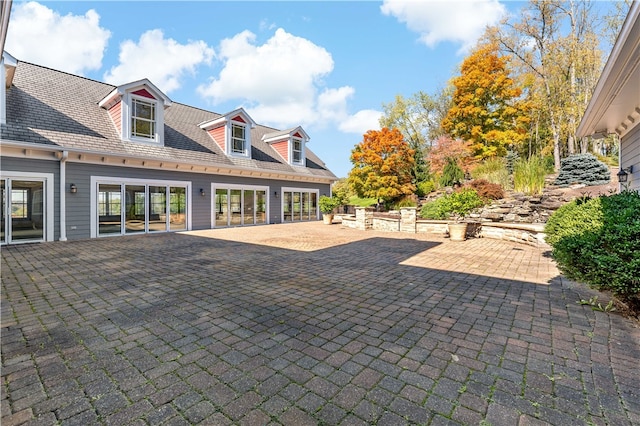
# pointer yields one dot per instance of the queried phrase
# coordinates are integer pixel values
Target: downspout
(63, 190)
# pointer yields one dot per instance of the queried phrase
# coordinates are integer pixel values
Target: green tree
(382, 164)
(419, 119)
(486, 107)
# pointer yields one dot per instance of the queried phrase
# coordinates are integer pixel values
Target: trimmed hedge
(597, 241)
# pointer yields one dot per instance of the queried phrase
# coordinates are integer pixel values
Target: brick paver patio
(306, 324)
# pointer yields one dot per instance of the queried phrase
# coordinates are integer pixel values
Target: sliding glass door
(239, 206)
(23, 210)
(299, 205)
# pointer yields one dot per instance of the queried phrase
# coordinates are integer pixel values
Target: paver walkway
(306, 324)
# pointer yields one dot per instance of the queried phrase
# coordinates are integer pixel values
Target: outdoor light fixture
(275, 194)
(73, 188)
(623, 174)
(202, 192)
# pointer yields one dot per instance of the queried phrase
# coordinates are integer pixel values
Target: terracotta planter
(327, 218)
(458, 231)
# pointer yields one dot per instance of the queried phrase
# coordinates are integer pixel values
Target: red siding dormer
(231, 132)
(137, 111)
(282, 148)
(218, 135)
(115, 112)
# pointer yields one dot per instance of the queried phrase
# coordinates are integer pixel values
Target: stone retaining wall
(408, 222)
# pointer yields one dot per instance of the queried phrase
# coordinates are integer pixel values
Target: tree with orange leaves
(382, 165)
(487, 107)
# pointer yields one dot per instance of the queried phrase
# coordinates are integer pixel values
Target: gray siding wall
(79, 208)
(630, 156)
(26, 165)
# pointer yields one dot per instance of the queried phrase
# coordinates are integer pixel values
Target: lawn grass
(361, 202)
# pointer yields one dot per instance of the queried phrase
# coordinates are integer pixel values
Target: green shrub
(458, 203)
(487, 190)
(404, 202)
(425, 187)
(452, 173)
(493, 170)
(597, 241)
(528, 175)
(328, 204)
(583, 168)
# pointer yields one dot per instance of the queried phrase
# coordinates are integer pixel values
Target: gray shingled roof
(50, 107)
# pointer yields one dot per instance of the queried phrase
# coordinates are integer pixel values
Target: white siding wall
(630, 156)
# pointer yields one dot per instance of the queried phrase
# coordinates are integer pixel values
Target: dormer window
(231, 132)
(297, 150)
(137, 111)
(238, 139)
(143, 119)
(290, 144)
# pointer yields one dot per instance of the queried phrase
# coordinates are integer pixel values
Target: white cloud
(361, 122)
(163, 61)
(437, 20)
(281, 82)
(71, 43)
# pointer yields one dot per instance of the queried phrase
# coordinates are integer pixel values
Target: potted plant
(327, 206)
(456, 206)
(461, 203)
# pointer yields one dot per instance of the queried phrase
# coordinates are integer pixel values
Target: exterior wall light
(623, 174)
(275, 194)
(73, 188)
(202, 193)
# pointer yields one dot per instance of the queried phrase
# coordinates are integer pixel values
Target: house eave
(39, 151)
(615, 104)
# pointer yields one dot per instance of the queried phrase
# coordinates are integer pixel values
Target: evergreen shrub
(425, 187)
(452, 173)
(583, 168)
(597, 241)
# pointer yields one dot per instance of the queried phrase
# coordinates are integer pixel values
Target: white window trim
(126, 115)
(292, 189)
(302, 157)
(47, 179)
(215, 186)
(97, 180)
(247, 139)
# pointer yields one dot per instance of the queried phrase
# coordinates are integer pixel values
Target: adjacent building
(615, 104)
(84, 159)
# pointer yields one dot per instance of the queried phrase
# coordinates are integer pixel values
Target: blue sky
(326, 65)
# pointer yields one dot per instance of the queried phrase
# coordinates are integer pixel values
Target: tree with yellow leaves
(487, 109)
(382, 164)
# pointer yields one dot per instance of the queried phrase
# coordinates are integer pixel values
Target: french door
(23, 210)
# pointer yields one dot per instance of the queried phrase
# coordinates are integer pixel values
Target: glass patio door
(23, 210)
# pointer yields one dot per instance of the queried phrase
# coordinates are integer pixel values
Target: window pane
(297, 208)
(314, 205)
(157, 208)
(109, 207)
(305, 206)
(178, 205)
(221, 208)
(235, 203)
(287, 199)
(134, 213)
(248, 207)
(27, 210)
(261, 207)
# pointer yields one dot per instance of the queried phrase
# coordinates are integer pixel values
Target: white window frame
(106, 180)
(247, 139)
(153, 122)
(293, 151)
(292, 189)
(48, 204)
(127, 117)
(215, 186)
